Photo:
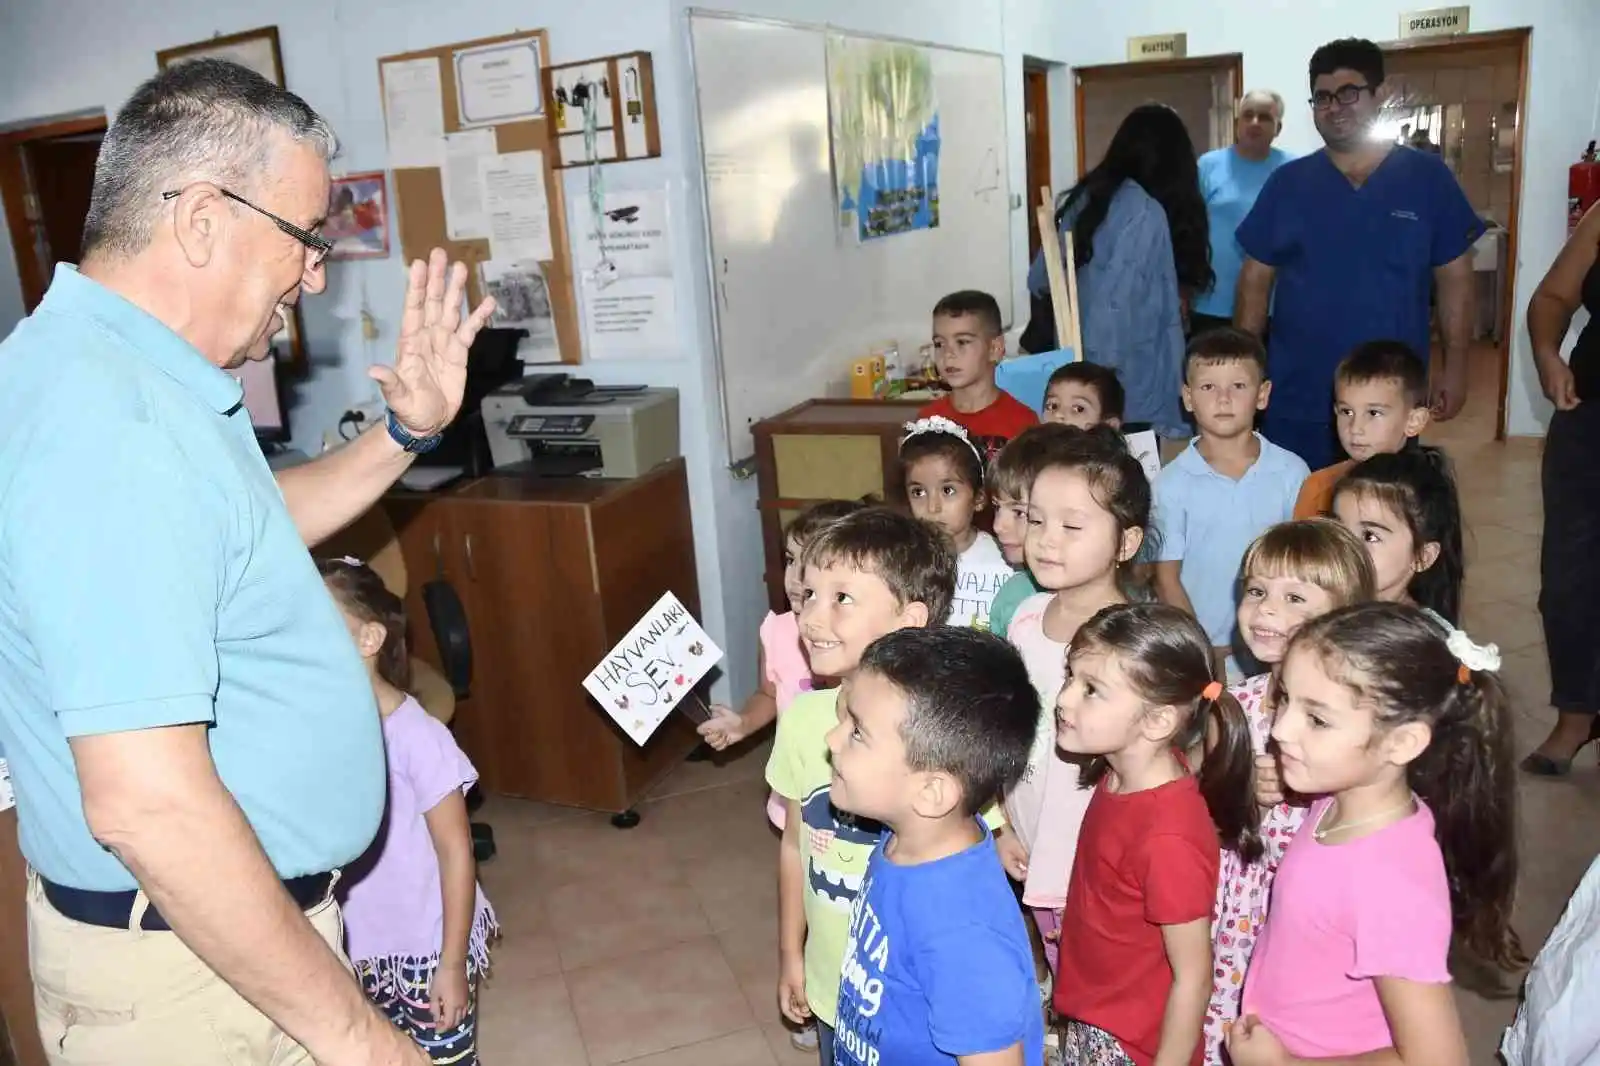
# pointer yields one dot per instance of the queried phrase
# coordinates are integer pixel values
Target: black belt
(112, 910)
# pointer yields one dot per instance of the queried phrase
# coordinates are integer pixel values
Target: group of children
(1155, 710)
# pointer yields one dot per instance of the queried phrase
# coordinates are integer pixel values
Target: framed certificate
(498, 83)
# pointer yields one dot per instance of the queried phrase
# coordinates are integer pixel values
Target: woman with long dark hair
(1142, 247)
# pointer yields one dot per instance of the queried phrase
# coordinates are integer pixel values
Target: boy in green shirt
(867, 575)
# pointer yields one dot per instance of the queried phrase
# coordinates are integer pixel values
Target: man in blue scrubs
(1347, 242)
(1230, 180)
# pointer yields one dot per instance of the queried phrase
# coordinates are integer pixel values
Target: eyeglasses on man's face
(317, 246)
(1344, 96)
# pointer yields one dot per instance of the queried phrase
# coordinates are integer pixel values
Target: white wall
(48, 66)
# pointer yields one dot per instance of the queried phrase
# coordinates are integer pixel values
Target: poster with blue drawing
(884, 116)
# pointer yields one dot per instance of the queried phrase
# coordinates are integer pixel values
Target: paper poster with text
(653, 668)
(1145, 448)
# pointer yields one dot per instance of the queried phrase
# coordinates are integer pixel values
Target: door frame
(1130, 71)
(14, 193)
(1520, 38)
(1036, 92)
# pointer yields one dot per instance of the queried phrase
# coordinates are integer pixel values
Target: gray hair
(203, 120)
(1265, 94)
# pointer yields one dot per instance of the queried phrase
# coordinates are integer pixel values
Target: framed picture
(289, 347)
(358, 217)
(256, 49)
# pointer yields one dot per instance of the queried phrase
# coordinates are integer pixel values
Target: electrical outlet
(352, 421)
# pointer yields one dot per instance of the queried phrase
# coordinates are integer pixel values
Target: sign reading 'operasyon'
(1434, 22)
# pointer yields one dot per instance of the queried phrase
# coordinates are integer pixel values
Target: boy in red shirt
(968, 341)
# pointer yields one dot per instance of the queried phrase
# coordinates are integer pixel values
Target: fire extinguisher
(1583, 188)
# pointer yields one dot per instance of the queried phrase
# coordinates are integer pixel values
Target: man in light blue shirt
(191, 734)
(1230, 180)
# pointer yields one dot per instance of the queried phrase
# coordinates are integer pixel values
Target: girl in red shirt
(1135, 972)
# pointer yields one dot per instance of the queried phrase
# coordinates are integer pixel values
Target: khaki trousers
(128, 997)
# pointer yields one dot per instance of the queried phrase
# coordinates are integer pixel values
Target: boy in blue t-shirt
(933, 726)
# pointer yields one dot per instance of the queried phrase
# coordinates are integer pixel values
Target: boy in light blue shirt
(1226, 488)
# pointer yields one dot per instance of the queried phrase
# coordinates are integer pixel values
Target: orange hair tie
(1212, 691)
(1463, 675)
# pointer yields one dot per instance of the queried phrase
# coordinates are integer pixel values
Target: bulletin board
(419, 192)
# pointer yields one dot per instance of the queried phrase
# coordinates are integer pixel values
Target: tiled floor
(657, 946)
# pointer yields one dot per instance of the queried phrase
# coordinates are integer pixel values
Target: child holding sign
(866, 575)
(784, 669)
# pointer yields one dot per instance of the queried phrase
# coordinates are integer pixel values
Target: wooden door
(1036, 120)
(62, 173)
(1202, 90)
(1469, 93)
(33, 244)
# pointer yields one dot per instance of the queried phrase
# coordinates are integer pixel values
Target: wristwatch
(402, 436)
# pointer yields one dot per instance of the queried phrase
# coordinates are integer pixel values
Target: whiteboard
(797, 298)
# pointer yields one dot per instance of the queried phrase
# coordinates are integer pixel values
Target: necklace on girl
(1321, 832)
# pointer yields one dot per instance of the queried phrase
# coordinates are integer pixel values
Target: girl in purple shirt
(417, 922)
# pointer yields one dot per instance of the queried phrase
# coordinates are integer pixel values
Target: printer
(552, 425)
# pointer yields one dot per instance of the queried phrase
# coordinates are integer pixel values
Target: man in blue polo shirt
(1348, 243)
(1230, 180)
(190, 731)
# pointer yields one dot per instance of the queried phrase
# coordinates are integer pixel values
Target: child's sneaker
(804, 1039)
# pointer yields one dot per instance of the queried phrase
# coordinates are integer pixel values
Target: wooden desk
(552, 573)
(824, 450)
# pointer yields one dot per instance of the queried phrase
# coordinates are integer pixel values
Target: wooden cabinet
(824, 450)
(552, 573)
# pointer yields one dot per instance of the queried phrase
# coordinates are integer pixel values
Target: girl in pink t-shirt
(417, 924)
(1294, 572)
(1405, 733)
(1088, 508)
(785, 673)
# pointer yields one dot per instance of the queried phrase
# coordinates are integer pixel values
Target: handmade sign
(652, 669)
(1145, 448)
